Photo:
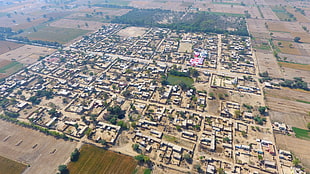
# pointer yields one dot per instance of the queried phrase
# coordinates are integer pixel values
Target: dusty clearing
(43, 153)
(6, 46)
(132, 31)
(185, 47)
(97, 160)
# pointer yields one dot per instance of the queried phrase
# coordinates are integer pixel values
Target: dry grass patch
(10, 166)
(295, 66)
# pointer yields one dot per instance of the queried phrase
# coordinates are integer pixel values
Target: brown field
(296, 58)
(26, 54)
(43, 153)
(285, 48)
(26, 25)
(298, 146)
(295, 66)
(97, 160)
(6, 46)
(305, 37)
(290, 73)
(10, 166)
(268, 13)
(277, 26)
(299, 16)
(266, 62)
(284, 100)
(77, 24)
(257, 28)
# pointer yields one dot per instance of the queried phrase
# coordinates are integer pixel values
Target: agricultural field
(10, 166)
(77, 24)
(26, 54)
(287, 47)
(97, 160)
(10, 68)
(297, 66)
(6, 46)
(61, 35)
(302, 133)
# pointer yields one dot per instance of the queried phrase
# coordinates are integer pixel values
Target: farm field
(6, 46)
(10, 68)
(77, 24)
(61, 35)
(301, 133)
(97, 160)
(287, 47)
(10, 166)
(26, 54)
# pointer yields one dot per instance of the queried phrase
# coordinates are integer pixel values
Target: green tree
(297, 39)
(63, 169)
(296, 162)
(308, 125)
(75, 155)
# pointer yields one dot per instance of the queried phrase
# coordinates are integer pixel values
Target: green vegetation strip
(10, 166)
(93, 159)
(16, 65)
(302, 101)
(302, 133)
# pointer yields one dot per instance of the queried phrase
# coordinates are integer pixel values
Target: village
(191, 102)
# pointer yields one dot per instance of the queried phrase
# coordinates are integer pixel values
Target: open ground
(43, 153)
(132, 32)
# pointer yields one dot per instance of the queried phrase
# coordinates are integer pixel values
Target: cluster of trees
(191, 22)
(40, 42)
(7, 32)
(192, 72)
(115, 113)
(297, 83)
(34, 127)
(113, 6)
(48, 94)
(11, 114)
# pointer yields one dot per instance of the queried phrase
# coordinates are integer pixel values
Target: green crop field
(10, 166)
(174, 80)
(61, 35)
(13, 66)
(302, 133)
(97, 160)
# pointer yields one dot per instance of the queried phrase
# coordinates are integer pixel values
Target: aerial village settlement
(177, 101)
